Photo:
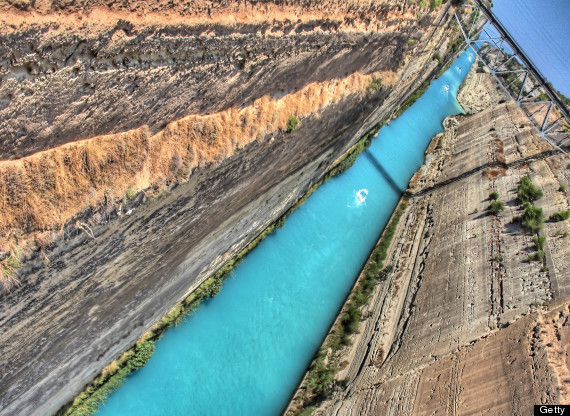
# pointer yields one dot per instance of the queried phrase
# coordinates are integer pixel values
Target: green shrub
(496, 207)
(539, 255)
(527, 192)
(456, 43)
(539, 241)
(560, 216)
(562, 188)
(434, 4)
(411, 41)
(494, 195)
(351, 319)
(375, 84)
(414, 97)
(437, 57)
(292, 124)
(533, 218)
(131, 193)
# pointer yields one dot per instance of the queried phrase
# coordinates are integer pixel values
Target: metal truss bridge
(515, 72)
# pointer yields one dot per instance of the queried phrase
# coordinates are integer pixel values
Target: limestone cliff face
(465, 323)
(186, 103)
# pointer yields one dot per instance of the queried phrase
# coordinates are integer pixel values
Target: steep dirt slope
(71, 72)
(149, 91)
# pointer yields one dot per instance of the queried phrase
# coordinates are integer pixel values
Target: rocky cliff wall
(100, 280)
(465, 322)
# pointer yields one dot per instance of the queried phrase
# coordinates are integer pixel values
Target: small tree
(494, 195)
(527, 192)
(533, 218)
(497, 207)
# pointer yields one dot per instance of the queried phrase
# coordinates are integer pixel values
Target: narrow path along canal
(244, 351)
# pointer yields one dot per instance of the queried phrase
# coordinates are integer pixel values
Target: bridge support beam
(504, 58)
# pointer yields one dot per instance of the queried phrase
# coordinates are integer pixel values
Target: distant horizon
(542, 31)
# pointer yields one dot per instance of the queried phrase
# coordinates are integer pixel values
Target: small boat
(446, 88)
(361, 195)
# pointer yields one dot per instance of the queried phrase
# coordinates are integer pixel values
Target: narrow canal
(244, 351)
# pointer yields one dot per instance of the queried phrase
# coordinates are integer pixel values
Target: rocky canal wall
(88, 295)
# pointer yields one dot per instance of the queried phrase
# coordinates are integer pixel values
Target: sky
(542, 30)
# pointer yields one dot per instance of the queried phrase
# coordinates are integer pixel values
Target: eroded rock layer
(144, 144)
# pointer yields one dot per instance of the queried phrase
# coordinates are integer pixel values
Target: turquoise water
(244, 351)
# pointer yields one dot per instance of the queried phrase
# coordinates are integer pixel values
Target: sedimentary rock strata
(144, 144)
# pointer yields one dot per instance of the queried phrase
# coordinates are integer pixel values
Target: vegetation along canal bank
(478, 294)
(376, 171)
(106, 225)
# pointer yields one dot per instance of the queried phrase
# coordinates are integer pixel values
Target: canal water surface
(244, 351)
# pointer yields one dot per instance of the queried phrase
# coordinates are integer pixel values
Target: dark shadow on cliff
(533, 158)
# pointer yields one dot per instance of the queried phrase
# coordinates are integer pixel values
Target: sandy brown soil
(456, 329)
(83, 69)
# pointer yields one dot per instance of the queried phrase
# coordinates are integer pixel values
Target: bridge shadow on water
(383, 172)
(514, 164)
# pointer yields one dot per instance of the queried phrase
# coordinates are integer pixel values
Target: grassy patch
(131, 192)
(560, 216)
(8, 269)
(292, 124)
(375, 84)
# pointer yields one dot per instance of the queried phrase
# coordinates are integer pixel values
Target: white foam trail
(361, 196)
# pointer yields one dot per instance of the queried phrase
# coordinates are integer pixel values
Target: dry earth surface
(465, 323)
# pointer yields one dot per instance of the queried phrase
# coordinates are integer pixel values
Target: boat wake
(361, 196)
